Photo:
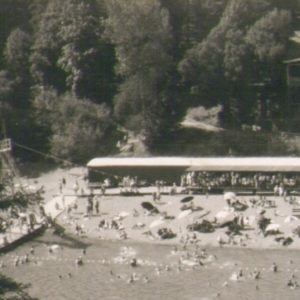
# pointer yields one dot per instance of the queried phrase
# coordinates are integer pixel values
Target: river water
(107, 274)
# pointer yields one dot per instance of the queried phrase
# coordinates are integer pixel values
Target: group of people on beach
(20, 220)
(92, 205)
(277, 181)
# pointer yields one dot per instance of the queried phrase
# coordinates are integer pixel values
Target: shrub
(82, 129)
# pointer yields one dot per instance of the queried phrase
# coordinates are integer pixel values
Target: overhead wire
(55, 157)
(70, 163)
(44, 154)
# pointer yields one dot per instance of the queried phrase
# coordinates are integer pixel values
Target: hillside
(73, 73)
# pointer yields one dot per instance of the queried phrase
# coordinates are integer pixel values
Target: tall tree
(6, 90)
(20, 124)
(70, 53)
(13, 14)
(268, 41)
(85, 57)
(46, 48)
(74, 124)
(141, 33)
(16, 53)
(223, 68)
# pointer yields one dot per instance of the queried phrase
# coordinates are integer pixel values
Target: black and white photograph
(149, 149)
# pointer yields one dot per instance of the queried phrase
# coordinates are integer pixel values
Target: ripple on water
(56, 276)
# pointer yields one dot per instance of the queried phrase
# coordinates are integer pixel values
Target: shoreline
(22, 238)
(128, 212)
(113, 208)
(89, 240)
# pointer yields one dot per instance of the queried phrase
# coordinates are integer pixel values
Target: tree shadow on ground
(35, 169)
(12, 290)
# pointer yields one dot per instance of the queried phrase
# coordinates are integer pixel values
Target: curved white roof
(255, 164)
(140, 161)
(251, 164)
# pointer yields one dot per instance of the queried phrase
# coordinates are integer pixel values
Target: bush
(82, 129)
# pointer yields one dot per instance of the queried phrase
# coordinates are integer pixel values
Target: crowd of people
(277, 182)
(15, 219)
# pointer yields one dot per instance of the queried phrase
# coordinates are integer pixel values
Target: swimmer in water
(133, 278)
(145, 279)
(17, 260)
(26, 258)
(133, 262)
(240, 273)
(79, 261)
(225, 284)
(179, 269)
(203, 253)
(236, 276)
(274, 267)
(157, 271)
(256, 274)
(167, 268)
(292, 284)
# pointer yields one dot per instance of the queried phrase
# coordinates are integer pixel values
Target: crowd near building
(277, 182)
(215, 174)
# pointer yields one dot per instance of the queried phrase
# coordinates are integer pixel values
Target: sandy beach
(137, 224)
(119, 247)
(123, 217)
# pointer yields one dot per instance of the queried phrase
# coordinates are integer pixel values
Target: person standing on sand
(42, 211)
(76, 187)
(69, 210)
(103, 189)
(63, 201)
(173, 189)
(158, 187)
(89, 207)
(97, 206)
(274, 267)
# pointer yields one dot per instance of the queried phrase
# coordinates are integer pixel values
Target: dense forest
(75, 75)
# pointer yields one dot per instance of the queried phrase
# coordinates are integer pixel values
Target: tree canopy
(76, 71)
